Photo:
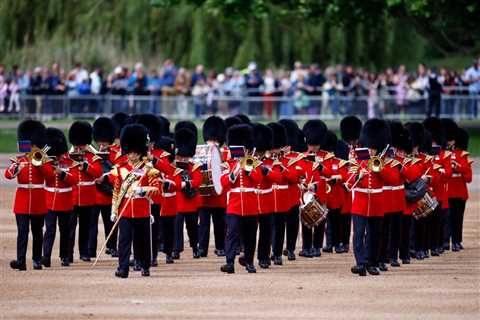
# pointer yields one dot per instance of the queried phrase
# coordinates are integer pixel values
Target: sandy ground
(446, 287)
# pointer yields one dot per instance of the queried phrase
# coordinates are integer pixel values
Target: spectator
(253, 81)
(270, 85)
(198, 74)
(182, 88)
(434, 93)
(286, 89)
(199, 93)
(314, 84)
(472, 79)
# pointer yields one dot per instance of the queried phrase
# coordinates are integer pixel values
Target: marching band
(400, 188)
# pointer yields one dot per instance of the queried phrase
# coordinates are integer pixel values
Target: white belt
(86, 183)
(264, 191)
(280, 187)
(456, 175)
(393, 187)
(59, 190)
(243, 190)
(169, 194)
(30, 186)
(366, 190)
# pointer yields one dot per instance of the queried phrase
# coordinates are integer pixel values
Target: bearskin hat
(240, 135)
(153, 125)
(341, 150)
(462, 138)
(214, 128)
(405, 141)
(120, 120)
(80, 133)
(315, 131)
(292, 130)
(450, 128)
(186, 125)
(417, 132)
(244, 118)
(396, 130)
(134, 138)
(185, 142)
(435, 127)
(375, 134)
(263, 136)
(279, 135)
(426, 145)
(330, 141)
(167, 144)
(34, 131)
(57, 142)
(301, 144)
(350, 128)
(104, 130)
(231, 121)
(165, 125)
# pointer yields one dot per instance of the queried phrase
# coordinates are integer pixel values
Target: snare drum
(312, 213)
(426, 206)
(210, 157)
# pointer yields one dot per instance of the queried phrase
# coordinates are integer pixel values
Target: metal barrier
(259, 107)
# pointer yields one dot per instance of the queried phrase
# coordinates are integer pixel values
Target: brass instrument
(38, 156)
(249, 163)
(125, 187)
(375, 164)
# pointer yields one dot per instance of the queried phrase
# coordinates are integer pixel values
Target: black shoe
(425, 254)
(413, 254)
(145, 273)
(46, 262)
(419, 255)
(237, 251)
(360, 270)
(176, 255)
(304, 253)
(278, 261)
(65, 262)
(131, 263)
(15, 264)
(154, 263)
(440, 250)
(373, 271)
(228, 268)
(263, 264)
(196, 254)
(220, 252)
(136, 266)
(446, 246)
(455, 247)
(169, 259)
(318, 252)
(346, 248)
(202, 253)
(251, 268)
(121, 274)
(108, 251)
(434, 253)
(405, 261)
(383, 267)
(285, 252)
(460, 246)
(394, 263)
(85, 258)
(114, 253)
(339, 249)
(37, 265)
(291, 255)
(242, 261)
(328, 249)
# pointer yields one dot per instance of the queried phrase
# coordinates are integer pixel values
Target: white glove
(152, 219)
(113, 217)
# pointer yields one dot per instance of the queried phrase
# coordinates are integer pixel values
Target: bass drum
(312, 213)
(210, 158)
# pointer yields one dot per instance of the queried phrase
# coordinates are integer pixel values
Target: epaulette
(164, 154)
(464, 153)
(436, 166)
(428, 158)
(415, 160)
(297, 158)
(177, 171)
(447, 154)
(96, 158)
(315, 165)
(329, 155)
(388, 161)
(196, 166)
(407, 160)
(395, 163)
(342, 162)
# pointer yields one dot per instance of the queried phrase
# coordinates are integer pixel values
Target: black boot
(383, 267)
(15, 264)
(360, 270)
(242, 261)
(373, 271)
(406, 261)
(46, 262)
(251, 268)
(65, 262)
(328, 249)
(263, 264)
(169, 259)
(154, 263)
(85, 258)
(176, 255)
(136, 266)
(317, 252)
(228, 268)
(37, 265)
(220, 252)
(339, 249)
(394, 263)
(114, 253)
(202, 253)
(305, 253)
(278, 261)
(291, 255)
(145, 273)
(196, 254)
(121, 274)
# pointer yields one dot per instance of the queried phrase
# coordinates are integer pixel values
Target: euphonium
(375, 164)
(249, 163)
(38, 156)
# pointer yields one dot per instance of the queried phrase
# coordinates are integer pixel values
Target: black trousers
(333, 228)
(236, 226)
(105, 211)
(345, 228)
(293, 220)
(366, 239)
(167, 229)
(84, 216)
(264, 236)
(457, 211)
(24, 221)
(155, 210)
(435, 228)
(390, 236)
(218, 217)
(63, 218)
(191, 222)
(420, 234)
(405, 237)
(138, 231)
(312, 238)
(279, 220)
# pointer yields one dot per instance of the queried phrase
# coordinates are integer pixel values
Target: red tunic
(162, 164)
(336, 196)
(30, 194)
(59, 187)
(168, 206)
(266, 200)
(413, 169)
(393, 189)
(84, 194)
(295, 164)
(461, 175)
(185, 204)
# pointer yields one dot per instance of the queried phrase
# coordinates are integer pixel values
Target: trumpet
(249, 163)
(38, 156)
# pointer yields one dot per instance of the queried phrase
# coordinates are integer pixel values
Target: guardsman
(120, 120)
(30, 170)
(350, 128)
(104, 136)
(58, 189)
(240, 179)
(213, 206)
(457, 187)
(367, 203)
(84, 193)
(135, 182)
(188, 199)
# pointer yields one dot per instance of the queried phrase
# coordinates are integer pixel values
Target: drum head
(216, 168)
(308, 197)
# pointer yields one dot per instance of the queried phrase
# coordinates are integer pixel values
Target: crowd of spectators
(306, 89)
